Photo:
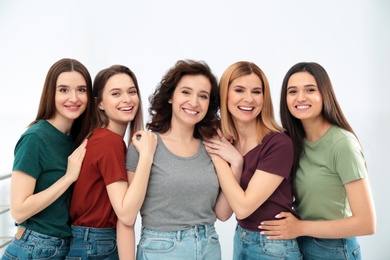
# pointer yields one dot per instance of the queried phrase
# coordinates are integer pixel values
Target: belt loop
(206, 230)
(178, 235)
(86, 234)
(25, 235)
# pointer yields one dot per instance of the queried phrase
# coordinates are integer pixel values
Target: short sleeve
(349, 160)
(28, 155)
(132, 158)
(277, 156)
(112, 162)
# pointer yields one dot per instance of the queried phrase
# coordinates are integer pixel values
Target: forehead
(71, 78)
(301, 79)
(195, 82)
(250, 80)
(120, 80)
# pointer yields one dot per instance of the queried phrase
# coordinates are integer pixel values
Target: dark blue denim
(93, 243)
(34, 245)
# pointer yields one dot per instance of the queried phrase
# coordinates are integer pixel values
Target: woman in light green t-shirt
(333, 194)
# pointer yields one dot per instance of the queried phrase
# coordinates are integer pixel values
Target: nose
(193, 101)
(301, 96)
(126, 98)
(73, 96)
(248, 96)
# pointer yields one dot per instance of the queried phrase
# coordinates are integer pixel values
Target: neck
(62, 125)
(117, 128)
(314, 129)
(247, 136)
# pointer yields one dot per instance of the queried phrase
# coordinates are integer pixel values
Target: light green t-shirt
(327, 164)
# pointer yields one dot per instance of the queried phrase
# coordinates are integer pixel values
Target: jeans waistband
(32, 235)
(194, 231)
(88, 232)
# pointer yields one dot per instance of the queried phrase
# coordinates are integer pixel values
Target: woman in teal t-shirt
(45, 167)
(333, 195)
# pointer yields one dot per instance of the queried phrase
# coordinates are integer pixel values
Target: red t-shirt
(274, 155)
(104, 163)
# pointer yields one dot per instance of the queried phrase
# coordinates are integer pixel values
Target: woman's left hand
(286, 227)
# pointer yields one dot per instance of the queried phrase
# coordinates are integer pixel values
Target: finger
(219, 132)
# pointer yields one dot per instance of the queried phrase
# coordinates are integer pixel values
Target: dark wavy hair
(331, 110)
(47, 107)
(101, 119)
(161, 112)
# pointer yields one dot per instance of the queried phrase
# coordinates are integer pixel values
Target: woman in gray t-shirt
(183, 197)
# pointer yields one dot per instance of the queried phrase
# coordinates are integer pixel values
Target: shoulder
(277, 138)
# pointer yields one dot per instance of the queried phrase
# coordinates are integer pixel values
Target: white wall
(350, 38)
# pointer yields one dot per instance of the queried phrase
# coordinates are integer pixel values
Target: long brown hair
(161, 112)
(101, 119)
(331, 110)
(265, 120)
(47, 107)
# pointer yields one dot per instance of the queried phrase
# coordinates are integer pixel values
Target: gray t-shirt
(182, 191)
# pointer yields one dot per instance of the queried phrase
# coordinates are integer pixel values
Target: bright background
(350, 38)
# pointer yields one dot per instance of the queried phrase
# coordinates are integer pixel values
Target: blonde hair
(265, 121)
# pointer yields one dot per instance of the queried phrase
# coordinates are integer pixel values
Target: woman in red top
(102, 193)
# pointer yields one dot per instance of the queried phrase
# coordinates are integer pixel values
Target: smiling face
(70, 97)
(190, 100)
(245, 98)
(304, 99)
(120, 101)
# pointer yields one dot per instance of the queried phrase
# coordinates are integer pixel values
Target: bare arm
(126, 241)
(259, 189)
(25, 204)
(362, 222)
(128, 199)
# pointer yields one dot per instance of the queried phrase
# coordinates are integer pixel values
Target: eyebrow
(305, 86)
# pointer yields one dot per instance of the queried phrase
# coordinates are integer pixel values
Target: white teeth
(126, 109)
(246, 108)
(190, 112)
(302, 107)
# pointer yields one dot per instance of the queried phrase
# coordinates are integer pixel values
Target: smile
(246, 108)
(192, 112)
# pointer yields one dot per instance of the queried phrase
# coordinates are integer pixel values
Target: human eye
(311, 90)
(185, 92)
(133, 92)
(82, 89)
(63, 89)
(204, 96)
(291, 91)
(257, 91)
(238, 90)
(115, 93)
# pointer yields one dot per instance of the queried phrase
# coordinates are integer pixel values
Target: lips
(72, 107)
(126, 109)
(302, 107)
(191, 112)
(245, 108)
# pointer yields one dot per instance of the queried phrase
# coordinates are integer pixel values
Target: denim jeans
(253, 245)
(93, 243)
(198, 242)
(335, 249)
(34, 245)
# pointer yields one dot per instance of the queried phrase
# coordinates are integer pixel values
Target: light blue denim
(335, 249)
(253, 245)
(196, 243)
(93, 243)
(34, 245)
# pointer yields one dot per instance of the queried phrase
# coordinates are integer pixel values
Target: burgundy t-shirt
(274, 155)
(104, 163)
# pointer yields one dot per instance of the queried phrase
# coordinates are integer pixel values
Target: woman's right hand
(75, 160)
(145, 142)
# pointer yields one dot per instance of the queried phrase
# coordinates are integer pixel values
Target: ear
(100, 105)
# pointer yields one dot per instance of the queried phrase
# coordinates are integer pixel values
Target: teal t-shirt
(42, 152)
(327, 164)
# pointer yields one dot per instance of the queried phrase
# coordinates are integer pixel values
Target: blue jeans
(34, 245)
(93, 243)
(335, 249)
(198, 242)
(253, 245)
